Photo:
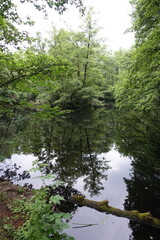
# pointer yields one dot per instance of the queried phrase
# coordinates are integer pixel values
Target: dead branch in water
(145, 218)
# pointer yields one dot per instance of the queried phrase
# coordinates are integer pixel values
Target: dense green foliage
(71, 70)
(43, 222)
(91, 64)
(140, 87)
(9, 18)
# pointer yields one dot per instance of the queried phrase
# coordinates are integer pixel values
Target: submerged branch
(144, 218)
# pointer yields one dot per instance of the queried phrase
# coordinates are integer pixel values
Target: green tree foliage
(9, 18)
(121, 88)
(146, 18)
(71, 70)
(142, 84)
(30, 73)
(28, 76)
(92, 65)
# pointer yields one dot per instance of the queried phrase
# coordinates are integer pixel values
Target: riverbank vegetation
(31, 214)
(74, 69)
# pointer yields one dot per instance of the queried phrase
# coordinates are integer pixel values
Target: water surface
(103, 154)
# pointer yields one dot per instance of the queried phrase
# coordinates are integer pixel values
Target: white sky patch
(115, 20)
(112, 16)
(26, 163)
(117, 161)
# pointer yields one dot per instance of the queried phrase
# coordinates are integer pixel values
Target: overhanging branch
(19, 78)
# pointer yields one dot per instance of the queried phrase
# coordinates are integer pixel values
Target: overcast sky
(112, 16)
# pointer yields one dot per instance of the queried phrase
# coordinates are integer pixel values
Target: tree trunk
(144, 218)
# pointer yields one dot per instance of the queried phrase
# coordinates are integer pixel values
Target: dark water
(103, 154)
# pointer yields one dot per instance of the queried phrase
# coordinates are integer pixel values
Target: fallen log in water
(145, 218)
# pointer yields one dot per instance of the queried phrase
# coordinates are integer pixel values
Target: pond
(102, 153)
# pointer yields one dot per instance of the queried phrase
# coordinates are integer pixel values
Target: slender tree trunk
(87, 60)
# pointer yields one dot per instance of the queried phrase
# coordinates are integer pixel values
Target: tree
(9, 17)
(72, 71)
(31, 71)
(27, 78)
(142, 83)
(26, 72)
(89, 61)
(145, 18)
(121, 88)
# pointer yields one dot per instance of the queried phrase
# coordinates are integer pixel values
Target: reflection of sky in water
(26, 163)
(109, 227)
(114, 187)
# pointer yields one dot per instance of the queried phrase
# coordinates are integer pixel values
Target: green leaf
(64, 225)
(55, 199)
(67, 216)
(58, 221)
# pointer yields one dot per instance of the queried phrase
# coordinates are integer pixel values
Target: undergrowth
(43, 219)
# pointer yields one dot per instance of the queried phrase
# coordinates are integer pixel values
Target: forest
(74, 71)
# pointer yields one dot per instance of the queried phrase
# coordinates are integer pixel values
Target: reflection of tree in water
(95, 173)
(11, 173)
(140, 138)
(76, 144)
(65, 192)
(69, 144)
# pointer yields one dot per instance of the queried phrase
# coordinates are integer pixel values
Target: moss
(146, 216)
(3, 197)
(77, 198)
(156, 221)
(105, 203)
(134, 213)
(103, 206)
